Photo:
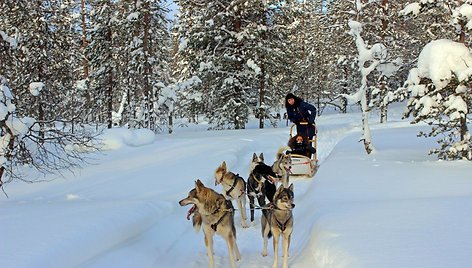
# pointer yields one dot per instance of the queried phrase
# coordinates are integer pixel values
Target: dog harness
(215, 225)
(234, 185)
(282, 226)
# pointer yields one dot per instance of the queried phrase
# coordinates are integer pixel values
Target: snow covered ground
(396, 208)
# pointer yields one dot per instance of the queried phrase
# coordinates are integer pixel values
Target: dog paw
(264, 254)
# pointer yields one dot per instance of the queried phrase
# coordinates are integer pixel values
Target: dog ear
(198, 184)
(223, 165)
(261, 157)
(254, 156)
(291, 187)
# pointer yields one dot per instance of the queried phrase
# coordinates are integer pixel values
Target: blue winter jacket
(304, 112)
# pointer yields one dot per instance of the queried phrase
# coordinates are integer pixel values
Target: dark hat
(290, 96)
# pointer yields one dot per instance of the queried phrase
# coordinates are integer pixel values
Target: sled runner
(303, 165)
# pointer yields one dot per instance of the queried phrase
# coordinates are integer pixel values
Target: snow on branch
(440, 60)
(439, 89)
(11, 40)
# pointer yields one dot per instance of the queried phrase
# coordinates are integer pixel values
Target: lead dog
(279, 221)
(234, 188)
(216, 215)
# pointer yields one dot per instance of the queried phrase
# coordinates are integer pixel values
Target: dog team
(214, 212)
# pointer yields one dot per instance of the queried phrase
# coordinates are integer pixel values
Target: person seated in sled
(299, 144)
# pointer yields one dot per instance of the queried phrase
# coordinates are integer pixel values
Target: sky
(398, 207)
(173, 8)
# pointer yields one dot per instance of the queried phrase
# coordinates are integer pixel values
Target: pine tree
(212, 48)
(339, 51)
(47, 53)
(45, 141)
(238, 50)
(146, 45)
(444, 102)
(103, 53)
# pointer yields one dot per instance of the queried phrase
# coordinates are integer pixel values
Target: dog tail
(281, 151)
(197, 221)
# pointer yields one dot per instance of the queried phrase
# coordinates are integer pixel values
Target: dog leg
(285, 246)
(261, 200)
(236, 249)
(265, 234)
(251, 205)
(242, 208)
(231, 254)
(276, 237)
(232, 248)
(209, 245)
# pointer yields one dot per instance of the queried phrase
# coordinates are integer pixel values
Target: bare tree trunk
(262, 111)
(110, 100)
(147, 67)
(344, 102)
(84, 44)
(383, 114)
(109, 87)
(382, 87)
(171, 123)
(8, 153)
(367, 137)
(462, 34)
(383, 106)
(463, 132)
(238, 124)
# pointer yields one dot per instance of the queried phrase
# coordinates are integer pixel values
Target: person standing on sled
(299, 111)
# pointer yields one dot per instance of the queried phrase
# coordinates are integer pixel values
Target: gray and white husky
(216, 215)
(279, 221)
(282, 165)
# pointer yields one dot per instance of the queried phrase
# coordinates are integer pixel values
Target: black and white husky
(260, 183)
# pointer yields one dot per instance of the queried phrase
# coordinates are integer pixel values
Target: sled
(304, 166)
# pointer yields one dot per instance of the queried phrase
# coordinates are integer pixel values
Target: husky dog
(216, 214)
(261, 183)
(256, 160)
(234, 188)
(279, 221)
(282, 165)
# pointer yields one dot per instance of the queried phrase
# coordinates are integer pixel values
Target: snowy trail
(237, 154)
(130, 210)
(121, 179)
(394, 208)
